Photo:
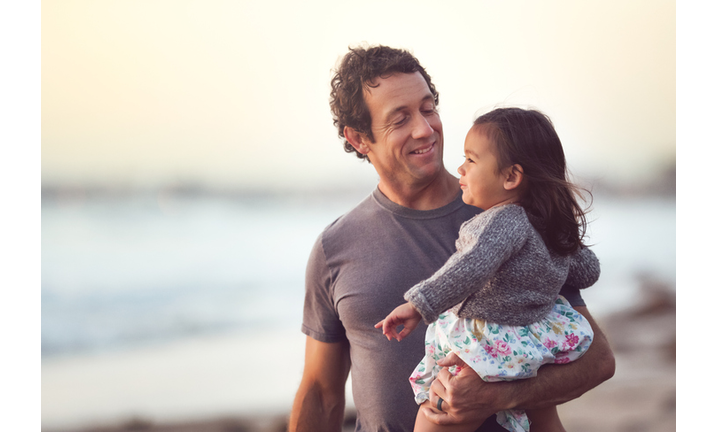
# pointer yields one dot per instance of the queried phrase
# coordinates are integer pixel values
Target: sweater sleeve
(486, 246)
(584, 269)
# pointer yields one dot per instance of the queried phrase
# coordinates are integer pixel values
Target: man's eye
(400, 121)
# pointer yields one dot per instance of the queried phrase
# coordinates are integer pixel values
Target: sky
(235, 93)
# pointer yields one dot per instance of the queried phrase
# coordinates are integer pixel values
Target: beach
(154, 316)
(640, 397)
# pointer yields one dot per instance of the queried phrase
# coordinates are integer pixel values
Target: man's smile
(423, 150)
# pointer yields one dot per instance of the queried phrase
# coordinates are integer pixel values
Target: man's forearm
(557, 384)
(320, 400)
(313, 411)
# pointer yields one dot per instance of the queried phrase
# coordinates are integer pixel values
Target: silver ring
(439, 404)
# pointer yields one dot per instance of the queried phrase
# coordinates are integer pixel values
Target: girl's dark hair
(358, 70)
(528, 138)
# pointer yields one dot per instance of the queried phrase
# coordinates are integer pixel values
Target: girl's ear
(514, 177)
(356, 139)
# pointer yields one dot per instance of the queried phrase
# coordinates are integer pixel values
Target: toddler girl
(506, 317)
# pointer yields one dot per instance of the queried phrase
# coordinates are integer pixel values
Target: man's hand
(466, 397)
(404, 314)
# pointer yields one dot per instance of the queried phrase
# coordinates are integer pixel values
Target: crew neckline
(410, 213)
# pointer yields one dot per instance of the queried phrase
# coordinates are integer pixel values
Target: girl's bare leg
(545, 420)
(423, 425)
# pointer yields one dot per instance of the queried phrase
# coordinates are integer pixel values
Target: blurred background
(189, 162)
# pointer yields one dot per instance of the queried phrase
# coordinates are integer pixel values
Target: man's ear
(514, 177)
(356, 139)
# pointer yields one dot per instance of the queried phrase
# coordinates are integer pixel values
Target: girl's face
(484, 184)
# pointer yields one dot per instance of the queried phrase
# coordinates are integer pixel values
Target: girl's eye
(469, 160)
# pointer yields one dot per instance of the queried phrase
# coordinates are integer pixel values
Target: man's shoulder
(362, 214)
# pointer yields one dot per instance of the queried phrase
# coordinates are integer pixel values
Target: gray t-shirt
(358, 271)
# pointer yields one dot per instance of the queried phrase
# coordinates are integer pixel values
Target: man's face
(407, 130)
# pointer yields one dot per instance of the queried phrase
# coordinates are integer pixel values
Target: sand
(642, 394)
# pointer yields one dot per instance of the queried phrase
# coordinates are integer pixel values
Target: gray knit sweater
(502, 272)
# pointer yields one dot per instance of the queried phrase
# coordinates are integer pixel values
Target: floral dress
(500, 353)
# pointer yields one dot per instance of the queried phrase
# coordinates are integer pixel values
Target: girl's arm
(584, 269)
(404, 314)
(483, 250)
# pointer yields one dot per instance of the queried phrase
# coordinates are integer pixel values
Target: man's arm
(469, 399)
(319, 403)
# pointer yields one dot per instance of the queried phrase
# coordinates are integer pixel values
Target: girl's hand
(404, 314)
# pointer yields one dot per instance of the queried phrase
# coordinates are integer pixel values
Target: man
(385, 106)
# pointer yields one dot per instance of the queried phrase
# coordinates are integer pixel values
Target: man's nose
(422, 128)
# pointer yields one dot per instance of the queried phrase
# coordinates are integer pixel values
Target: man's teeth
(422, 151)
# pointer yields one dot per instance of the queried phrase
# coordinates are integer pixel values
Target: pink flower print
(491, 350)
(562, 358)
(431, 349)
(549, 343)
(502, 347)
(570, 341)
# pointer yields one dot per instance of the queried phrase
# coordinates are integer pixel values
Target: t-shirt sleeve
(321, 320)
(572, 295)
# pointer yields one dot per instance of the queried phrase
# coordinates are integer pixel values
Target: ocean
(162, 305)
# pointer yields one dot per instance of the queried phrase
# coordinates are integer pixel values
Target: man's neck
(434, 194)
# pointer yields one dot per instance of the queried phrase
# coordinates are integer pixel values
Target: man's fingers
(452, 359)
(438, 390)
(444, 378)
(435, 416)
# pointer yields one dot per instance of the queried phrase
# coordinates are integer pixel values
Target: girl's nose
(461, 171)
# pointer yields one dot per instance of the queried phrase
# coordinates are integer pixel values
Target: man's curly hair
(358, 70)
